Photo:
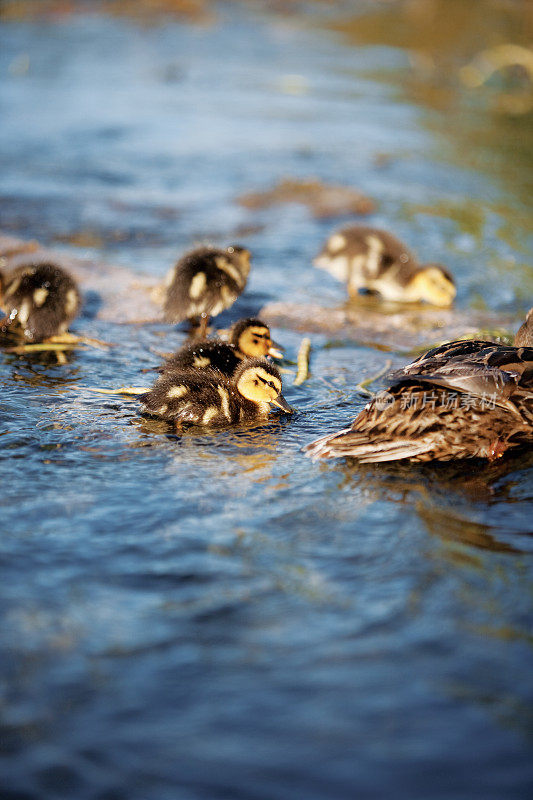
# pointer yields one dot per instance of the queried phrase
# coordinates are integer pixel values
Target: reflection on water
(209, 614)
(453, 528)
(459, 502)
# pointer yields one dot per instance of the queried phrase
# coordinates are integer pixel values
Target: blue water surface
(212, 615)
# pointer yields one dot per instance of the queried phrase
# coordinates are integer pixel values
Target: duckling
(373, 259)
(465, 399)
(204, 282)
(207, 397)
(248, 338)
(40, 300)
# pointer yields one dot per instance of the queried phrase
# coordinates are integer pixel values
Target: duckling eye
(256, 382)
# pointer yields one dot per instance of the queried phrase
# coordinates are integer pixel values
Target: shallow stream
(213, 615)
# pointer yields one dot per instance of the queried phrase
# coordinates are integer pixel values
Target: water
(214, 616)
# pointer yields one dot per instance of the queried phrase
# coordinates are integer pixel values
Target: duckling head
(241, 257)
(251, 337)
(432, 283)
(259, 381)
(524, 337)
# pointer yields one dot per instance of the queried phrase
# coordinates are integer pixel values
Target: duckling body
(40, 300)
(204, 282)
(249, 338)
(465, 399)
(209, 354)
(375, 260)
(207, 397)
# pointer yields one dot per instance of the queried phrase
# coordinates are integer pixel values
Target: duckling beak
(280, 402)
(275, 350)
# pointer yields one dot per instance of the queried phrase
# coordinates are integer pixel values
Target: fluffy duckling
(40, 300)
(207, 397)
(465, 399)
(373, 259)
(249, 338)
(204, 282)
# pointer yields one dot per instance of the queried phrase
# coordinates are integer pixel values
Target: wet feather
(40, 300)
(464, 399)
(204, 282)
(207, 397)
(249, 338)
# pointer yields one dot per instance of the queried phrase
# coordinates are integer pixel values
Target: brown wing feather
(415, 419)
(475, 367)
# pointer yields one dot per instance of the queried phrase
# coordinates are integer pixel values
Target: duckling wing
(223, 284)
(199, 396)
(45, 298)
(205, 281)
(204, 355)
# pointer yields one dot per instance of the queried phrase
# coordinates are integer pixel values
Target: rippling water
(212, 615)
